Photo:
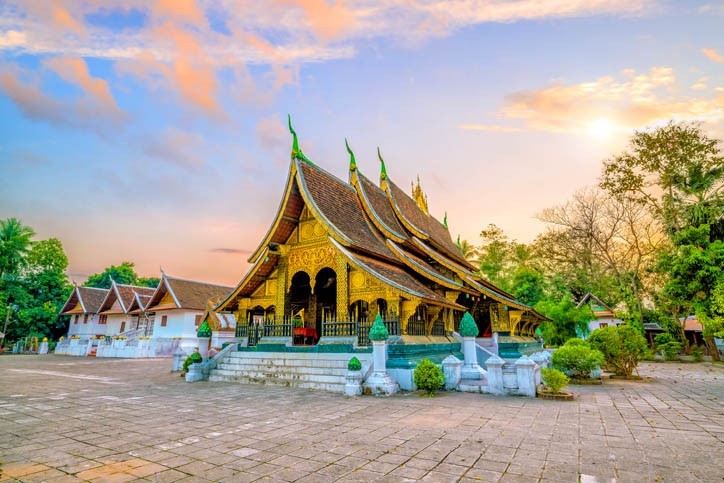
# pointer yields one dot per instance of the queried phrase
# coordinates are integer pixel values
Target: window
(164, 320)
(102, 319)
(602, 325)
(197, 321)
(75, 321)
(123, 326)
(85, 319)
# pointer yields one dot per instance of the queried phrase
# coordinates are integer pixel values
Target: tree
(494, 254)
(14, 245)
(677, 171)
(151, 282)
(469, 251)
(47, 255)
(124, 274)
(567, 320)
(604, 245)
(622, 346)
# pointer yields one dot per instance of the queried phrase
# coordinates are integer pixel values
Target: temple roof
(376, 202)
(185, 294)
(125, 295)
(88, 298)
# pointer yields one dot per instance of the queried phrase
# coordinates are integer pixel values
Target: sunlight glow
(601, 128)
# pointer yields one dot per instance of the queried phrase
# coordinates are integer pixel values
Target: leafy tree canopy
(15, 240)
(124, 273)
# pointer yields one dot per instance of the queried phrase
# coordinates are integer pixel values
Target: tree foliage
(124, 274)
(622, 347)
(577, 360)
(15, 242)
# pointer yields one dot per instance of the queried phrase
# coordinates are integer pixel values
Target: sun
(601, 128)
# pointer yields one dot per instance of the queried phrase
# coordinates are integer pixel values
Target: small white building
(604, 315)
(117, 308)
(177, 307)
(83, 307)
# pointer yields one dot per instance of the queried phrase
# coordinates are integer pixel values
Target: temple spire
(352, 161)
(419, 196)
(383, 170)
(296, 151)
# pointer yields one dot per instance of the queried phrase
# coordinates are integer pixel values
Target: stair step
(473, 385)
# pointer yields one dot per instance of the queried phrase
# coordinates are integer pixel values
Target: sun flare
(601, 128)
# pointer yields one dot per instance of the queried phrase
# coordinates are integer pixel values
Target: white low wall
(157, 347)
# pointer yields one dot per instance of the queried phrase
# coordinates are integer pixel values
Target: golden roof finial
(419, 196)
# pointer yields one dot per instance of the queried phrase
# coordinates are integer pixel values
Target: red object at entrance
(307, 335)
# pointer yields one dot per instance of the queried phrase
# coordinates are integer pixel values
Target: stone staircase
(321, 371)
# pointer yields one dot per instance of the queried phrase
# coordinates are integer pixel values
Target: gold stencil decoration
(358, 280)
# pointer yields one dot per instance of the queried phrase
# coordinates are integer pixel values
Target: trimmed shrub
(577, 360)
(428, 377)
(577, 342)
(193, 358)
(354, 365)
(623, 347)
(668, 346)
(697, 354)
(554, 379)
(204, 330)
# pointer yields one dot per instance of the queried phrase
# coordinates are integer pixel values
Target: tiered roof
(120, 298)
(379, 229)
(178, 293)
(84, 300)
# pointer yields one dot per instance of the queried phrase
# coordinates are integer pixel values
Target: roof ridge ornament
(419, 196)
(444, 221)
(383, 170)
(296, 151)
(352, 161)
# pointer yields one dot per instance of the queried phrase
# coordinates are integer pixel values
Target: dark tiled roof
(421, 266)
(92, 298)
(257, 273)
(408, 208)
(339, 204)
(127, 293)
(396, 276)
(436, 232)
(194, 295)
(380, 206)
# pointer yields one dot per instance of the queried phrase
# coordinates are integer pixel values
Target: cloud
(712, 54)
(489, 128)
(635, 100)
(235, 251)
(24, 89)
(75, 71)
(176, 147)
(272, 134)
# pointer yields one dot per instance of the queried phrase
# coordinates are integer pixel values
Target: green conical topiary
(378, 331)
(354, 365)
(468, 327)
(204, 330)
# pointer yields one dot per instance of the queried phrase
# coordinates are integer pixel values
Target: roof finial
(352, 161)
(458, 242)
(444, 220)
(383, 170)
(296, 152)
(419, 196)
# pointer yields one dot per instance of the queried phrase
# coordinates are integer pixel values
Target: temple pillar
(341, 269)
(281, 295)
(408, 308)
(432, 313)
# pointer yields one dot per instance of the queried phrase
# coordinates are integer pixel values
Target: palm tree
(469, 251)
(14, 244)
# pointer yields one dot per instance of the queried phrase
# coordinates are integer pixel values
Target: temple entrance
(325, 294)
(479, 309)
(301, 308)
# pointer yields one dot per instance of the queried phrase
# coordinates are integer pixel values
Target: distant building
(177, 307)
(115, 311)
(604, 315)
(83, 308)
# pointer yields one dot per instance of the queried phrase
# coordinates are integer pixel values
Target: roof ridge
(94, 288)
(197, 281)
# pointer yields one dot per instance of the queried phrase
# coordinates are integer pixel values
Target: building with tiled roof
(118, 311)
(177, 305)
(338, 253)
(83, 308)
(603, 314)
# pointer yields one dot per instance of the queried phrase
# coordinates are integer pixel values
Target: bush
(193, 358)
(577, 360)
(667, 345)
(697, 354)
(623, 347)
(554, 379)
(577, 342)
(354, 364)
(428, 377)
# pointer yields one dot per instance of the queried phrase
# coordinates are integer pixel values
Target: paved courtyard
(80, 419)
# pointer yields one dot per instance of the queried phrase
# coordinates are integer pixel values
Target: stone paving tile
(138, 421)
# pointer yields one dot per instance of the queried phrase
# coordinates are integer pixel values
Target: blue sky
(155, 131)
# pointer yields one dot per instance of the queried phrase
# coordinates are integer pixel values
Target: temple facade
(338, 253)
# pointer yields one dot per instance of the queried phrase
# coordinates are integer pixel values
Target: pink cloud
(712, 54)
(75, 71)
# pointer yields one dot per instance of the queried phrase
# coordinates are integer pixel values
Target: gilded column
(342, 287)
(281, 295)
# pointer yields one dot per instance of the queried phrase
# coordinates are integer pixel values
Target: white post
(471, 369)
(495, 375)
(525, 370)
(451, 368)
(380, 382)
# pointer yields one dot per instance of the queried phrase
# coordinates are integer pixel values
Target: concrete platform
(70, 419)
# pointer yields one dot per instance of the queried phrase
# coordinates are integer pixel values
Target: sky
(155, 131)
